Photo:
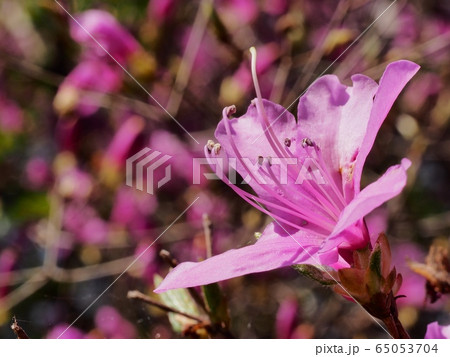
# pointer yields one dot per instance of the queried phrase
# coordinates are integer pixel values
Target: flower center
(312, 205)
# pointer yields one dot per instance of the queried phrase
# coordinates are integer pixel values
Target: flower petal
(355, 116)
(387, 186)
(271, 251)
(394, 79)
(319, 114)
(436, 331)
(335, 117)
(352, 129)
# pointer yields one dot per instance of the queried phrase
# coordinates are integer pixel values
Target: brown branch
(22, 292)
(167, 256)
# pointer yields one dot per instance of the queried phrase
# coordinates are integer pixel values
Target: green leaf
(216, 304)
(181, 300)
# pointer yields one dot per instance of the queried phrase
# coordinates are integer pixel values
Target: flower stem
(393, 324)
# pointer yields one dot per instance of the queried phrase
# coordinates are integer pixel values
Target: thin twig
(173, 262)
(137, 295)
(165, 254)
(190, 53)
(318, 52)
(22, 292)
(207, 229)
(54, 225)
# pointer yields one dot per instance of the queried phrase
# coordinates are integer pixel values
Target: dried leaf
(436, 270)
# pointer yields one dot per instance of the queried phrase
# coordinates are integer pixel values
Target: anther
(216, 148)
(228, 111)
(210, 145)
(307, 142)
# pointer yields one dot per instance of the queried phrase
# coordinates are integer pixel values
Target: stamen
(251, 199)
(314, 218)
(323, 169)
(268, 132)
(264, 187)
(229, 111)
(216, 148)
(307, 142)
(210, 145)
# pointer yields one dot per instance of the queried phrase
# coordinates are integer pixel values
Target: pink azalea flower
(132, 209)
(124, 138)
(37, 172)
(238, 12)
(413, 285)
(8, 258)
(107, 31)
(181, 154)
(436, 331)
(71, 333)
(112, 325)
(161, 10)
(11, 116)
(287, 318)
(321, 219)
(83, 223)
(84, 77)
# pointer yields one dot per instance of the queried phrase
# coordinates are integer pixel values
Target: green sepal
(322, 276)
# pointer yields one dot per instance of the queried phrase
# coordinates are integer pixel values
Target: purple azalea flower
(320, 220)
(436, 331)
